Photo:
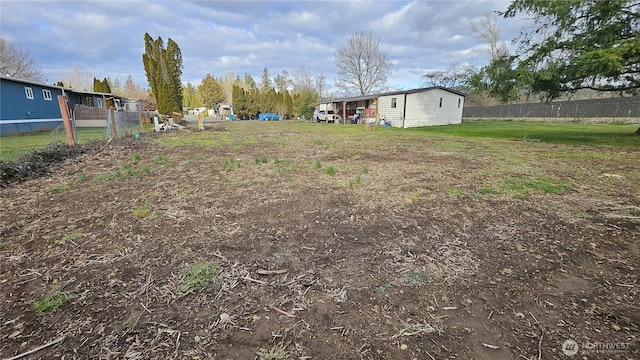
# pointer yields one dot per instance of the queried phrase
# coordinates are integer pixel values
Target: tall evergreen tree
(210, 92)
(103, 87)
(190, 98)
(163, 68)
(252, 98)
(265, 82)
(304, 102)
(248, 82)
(239, 101)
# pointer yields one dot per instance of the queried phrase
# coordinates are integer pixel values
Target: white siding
(389, 114)
(423, 108)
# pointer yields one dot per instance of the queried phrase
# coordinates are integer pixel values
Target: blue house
(27, 106)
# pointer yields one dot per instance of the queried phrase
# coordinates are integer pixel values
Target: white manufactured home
(404, 109)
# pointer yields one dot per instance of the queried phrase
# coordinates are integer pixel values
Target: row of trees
(295, 95)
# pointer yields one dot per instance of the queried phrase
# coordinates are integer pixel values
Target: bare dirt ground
(416, 247)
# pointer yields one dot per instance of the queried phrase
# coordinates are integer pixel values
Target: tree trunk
(637, 132)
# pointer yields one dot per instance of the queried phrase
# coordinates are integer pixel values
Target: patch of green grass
(282, 166)
(51, 301)
(351, 185)
(128, 171)
(548, 186)
(81, 177)
(521, 188)
(358, 179)
(317, 164)
(102, 177)
(70, 237)
(136, 157)
(330, 171)
(161, 160)
(416, 278)
(455, 192)
(13, 147)
(141, 212)
(450, 145)
(262, 160)
(318, 142)
(128, 323)
(482, 192)
(488, 191)
(57, 189)
(230, 164)
(145, 170)
(546, 132)
(365, 170)
(199, 277)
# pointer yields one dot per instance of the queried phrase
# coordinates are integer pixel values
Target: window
(29, 92)
(393, 103)
(440, 102)
(46, 94)
(459, 101)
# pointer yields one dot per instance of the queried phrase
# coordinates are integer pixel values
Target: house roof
(24, 81)
(30, 82)
(399, 92)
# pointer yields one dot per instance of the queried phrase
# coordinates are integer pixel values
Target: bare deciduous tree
(16, 62)
(455, 77)
(487, 30)
(302, 80)
(362, 67)
(78, 79)
(227, 86)
(320, 85)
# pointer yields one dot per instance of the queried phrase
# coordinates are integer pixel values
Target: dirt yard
(325, 242)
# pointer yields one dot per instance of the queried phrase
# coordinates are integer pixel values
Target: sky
(106, 38)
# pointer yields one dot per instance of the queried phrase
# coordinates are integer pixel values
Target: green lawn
(548, 132)
(12, 147)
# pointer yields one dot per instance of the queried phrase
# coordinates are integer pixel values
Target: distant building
(404, 109)
(28, 106)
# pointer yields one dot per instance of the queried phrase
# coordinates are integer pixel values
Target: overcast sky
(106, 38)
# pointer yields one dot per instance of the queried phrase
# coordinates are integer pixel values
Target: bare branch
(362, 67)
(18, 63)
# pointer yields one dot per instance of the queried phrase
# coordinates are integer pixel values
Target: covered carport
(354, 110)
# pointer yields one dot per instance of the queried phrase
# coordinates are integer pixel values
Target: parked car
(269, 116)
(329, 116)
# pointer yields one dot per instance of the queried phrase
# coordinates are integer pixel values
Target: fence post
(64, 111)
(140, 120)
(112, 115)
(201, 120)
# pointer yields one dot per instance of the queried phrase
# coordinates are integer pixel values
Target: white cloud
(218, 37)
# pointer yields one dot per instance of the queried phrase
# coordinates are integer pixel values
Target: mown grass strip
(548, 132)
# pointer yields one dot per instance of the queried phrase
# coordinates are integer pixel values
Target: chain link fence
(618, 109)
